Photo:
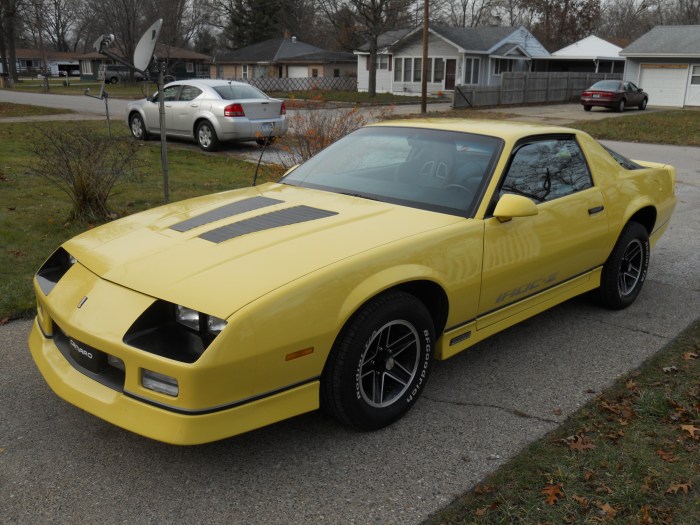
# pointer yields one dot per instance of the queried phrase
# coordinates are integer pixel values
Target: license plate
(87, 356)
(267, 127)
(596, 96)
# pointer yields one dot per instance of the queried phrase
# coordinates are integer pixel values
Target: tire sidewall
(612, 297)
(213, 143)
(142, 126)
(360, 413)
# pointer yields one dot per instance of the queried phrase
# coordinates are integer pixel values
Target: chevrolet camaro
(337, 286)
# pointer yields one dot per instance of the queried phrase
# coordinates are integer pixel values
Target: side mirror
(510, 206)
(639, 90)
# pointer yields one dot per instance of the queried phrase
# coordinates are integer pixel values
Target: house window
(86, 67)
(695, 75)
(314, 73)
(398, 70)
(407, 64)
(502, 65)
(244, 76)
(417, 65)
(382, 62)
(439, 71)
(336, 73)
(190, 67)
(471, 70)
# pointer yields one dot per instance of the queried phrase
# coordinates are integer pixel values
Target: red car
(614, 94)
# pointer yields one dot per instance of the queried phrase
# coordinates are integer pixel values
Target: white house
(588, 55)
(665, 62)
(466, 55)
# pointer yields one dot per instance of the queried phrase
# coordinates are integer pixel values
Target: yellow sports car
(337, 286)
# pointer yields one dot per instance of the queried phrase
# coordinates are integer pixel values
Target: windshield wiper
(360, 195)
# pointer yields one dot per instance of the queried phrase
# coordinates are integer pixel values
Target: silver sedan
(210, 112)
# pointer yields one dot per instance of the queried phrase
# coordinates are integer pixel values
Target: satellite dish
(144, 50)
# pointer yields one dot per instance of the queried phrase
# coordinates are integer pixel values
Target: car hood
(220, 252)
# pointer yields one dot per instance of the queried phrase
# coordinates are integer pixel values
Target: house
(285, 57)
(589, 55)
(30, 62)
(665, 62)
(456, 55)
(180, 63)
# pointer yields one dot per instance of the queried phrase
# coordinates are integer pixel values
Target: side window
(189, 93)
(170, 93)
(546, 170)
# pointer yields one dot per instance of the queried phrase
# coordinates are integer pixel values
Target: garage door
(298, 72)
(665, 83)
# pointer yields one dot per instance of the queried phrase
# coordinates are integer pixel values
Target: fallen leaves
(688, 356)
(607, 511)
(579, 442)
(553, 493)
(668, 457)
(692, 430)
(675, 488)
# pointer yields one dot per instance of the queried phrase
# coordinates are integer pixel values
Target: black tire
(137, 127)
(643, 105)
(206, 136)
(625, 270)
(113, 80)
(380, 363)
(265, 140)
(620, 106)
(586, 108)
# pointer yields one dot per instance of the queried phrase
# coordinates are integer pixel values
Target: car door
(184, 110)
(170, 94)
(565, 239)
(631, 92)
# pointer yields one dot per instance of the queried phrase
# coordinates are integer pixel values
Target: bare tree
(11, 22)
(373, 18)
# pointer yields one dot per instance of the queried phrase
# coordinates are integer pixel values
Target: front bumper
(162, 424)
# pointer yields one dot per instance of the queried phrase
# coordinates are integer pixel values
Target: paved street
(61, 465)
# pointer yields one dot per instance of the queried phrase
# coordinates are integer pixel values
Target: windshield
(237, 91)
(423, 168)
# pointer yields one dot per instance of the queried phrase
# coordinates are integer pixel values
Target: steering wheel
(455, 186)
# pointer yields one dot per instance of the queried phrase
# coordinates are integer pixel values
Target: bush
(314, 128)
(85, 165)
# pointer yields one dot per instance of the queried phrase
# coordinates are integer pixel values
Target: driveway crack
(512, 411)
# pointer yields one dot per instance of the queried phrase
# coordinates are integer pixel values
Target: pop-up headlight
(53, 269)
(198, 321)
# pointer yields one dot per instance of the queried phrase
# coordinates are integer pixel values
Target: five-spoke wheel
(625, 270)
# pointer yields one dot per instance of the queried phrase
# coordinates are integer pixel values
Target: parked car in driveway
(337, 286)
(114, 73)
(614, 94)
(210, 112)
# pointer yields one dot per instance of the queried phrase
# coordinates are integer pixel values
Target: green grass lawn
(33, 212)
(8, 110)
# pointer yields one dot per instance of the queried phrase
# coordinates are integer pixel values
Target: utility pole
(424, 74)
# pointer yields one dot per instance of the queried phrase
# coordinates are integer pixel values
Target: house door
(693, 96)
(450, 68)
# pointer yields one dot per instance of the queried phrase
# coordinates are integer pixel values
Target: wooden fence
(529, 88)
(303, 84)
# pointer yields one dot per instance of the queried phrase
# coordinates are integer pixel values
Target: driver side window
(546, 170)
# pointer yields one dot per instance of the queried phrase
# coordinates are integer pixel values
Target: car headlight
(53, 269)
(199, 321)
(174, 331)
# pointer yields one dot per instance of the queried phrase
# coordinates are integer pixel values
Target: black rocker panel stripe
(267, 221)
(236, 208)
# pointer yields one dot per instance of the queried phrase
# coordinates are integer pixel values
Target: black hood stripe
(267, 221)
(236, 208)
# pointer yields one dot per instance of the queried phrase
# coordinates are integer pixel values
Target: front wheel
(643, 105)
(137, 126)
(206, 136)
(626, 269)
(380, 363)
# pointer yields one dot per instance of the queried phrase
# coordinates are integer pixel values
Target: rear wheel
(262, 141)
(626, 268)
(113, 80)
(621, 106)
(586, 108)
(380, 362)
(206, 136)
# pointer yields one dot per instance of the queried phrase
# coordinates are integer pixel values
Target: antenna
(143, 54)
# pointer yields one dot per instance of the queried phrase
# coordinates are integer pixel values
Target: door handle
(597, 209)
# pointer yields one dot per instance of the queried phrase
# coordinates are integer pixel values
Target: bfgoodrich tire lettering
(625, 270)
(380, 362)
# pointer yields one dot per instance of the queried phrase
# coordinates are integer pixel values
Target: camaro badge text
(82, 302)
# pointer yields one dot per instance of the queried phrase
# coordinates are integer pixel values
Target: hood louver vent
(236, 208)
